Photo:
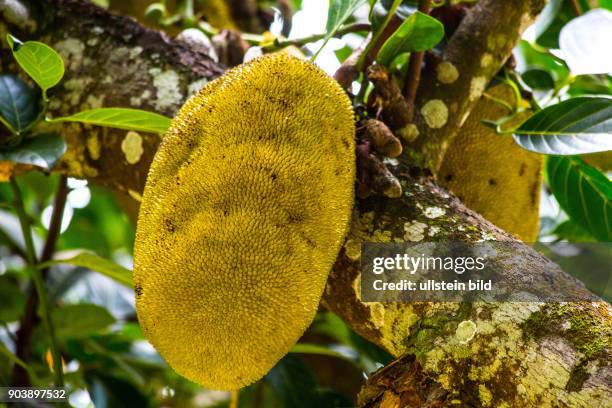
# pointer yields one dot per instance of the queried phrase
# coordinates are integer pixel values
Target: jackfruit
(244, 211)
(491, 174)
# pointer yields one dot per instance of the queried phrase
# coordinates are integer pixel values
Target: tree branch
(414, 67)
(477, 50)
(515, 344)
(110, 61)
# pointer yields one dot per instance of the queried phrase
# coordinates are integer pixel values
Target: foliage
(21, 110)
(121, 118)
(576, 118)
(419, 32)
(39, 61)
(584, 193)
(576, 126)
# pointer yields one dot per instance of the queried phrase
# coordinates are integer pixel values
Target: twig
(376, 39)
(24, 221)
(55, 225)
(234, 399)
(414, 68)
(286, 11)
(576, 7)
(298, 42)
(38, 293)
(347, 72)
(13, 246)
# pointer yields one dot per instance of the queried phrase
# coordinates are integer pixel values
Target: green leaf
(18, 103)
(575, 126)
(370, 355)
(547, 17)
(532, 58)
(572, 232)
(343, 53)
(538, 79)
(419, 32)
(80, 320)
(42, 150)
(121, 118)
(98, 264)
(293, 382)
(8, 354)
(12, 300)
(41, 62)
(309, 348)
(339, 11)
(584, 193)
(593, 85)
(296, 386)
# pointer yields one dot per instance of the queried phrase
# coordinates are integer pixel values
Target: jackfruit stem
(234, 399)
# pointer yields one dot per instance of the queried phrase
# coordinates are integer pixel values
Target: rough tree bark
(110, 61)
(515, 354)
(475, 53)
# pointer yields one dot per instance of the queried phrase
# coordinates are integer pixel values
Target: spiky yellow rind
(491, 174)
(245, 209)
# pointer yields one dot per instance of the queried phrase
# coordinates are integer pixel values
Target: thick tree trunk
(517, 354)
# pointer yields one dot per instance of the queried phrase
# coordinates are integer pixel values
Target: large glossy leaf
(98, 264)
(419, 32)
(80, 320)
(339, 11)
(122, 118)
(575, 126)
(585, 42)
(40, 61)
(584, 193)
(18, 103)
(42, 150)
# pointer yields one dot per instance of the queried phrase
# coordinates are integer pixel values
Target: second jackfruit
(491, 174)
